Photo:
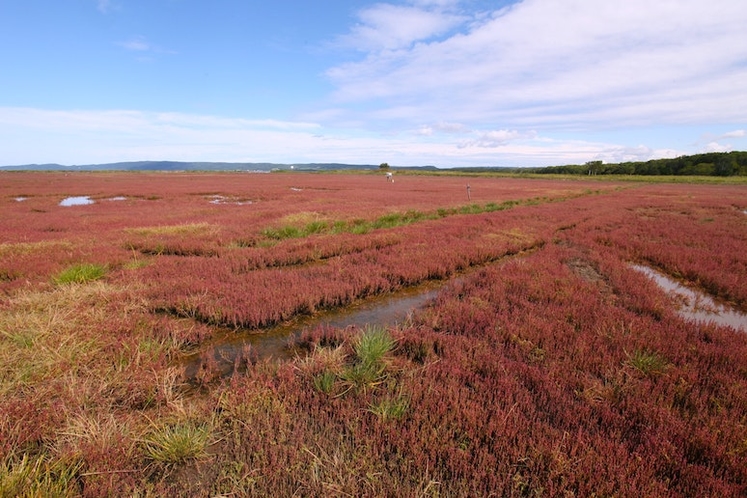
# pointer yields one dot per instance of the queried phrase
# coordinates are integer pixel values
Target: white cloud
(496, 138)
(443, 127)
(715, 142)
(735, 134)
(716, 147)
(572, 64)
(387, 27)
(621, 154)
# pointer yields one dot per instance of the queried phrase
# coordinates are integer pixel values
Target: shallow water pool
(76, 201)
(696, 305)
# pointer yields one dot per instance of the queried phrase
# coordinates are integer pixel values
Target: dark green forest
(709, 164)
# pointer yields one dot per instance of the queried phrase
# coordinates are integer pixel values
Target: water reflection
(76, 201)
(384, 311)
(695, 305)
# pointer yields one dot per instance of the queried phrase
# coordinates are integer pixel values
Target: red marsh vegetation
(550, 367)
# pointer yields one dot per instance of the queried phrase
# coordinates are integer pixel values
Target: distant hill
(186, 166)
(707, 164)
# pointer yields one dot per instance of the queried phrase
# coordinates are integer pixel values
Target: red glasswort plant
(549, 368)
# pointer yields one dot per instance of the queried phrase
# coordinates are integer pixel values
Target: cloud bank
(459, 83)
(87, 137)
(555, 64)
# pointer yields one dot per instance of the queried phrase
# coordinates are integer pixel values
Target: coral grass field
(550, 367)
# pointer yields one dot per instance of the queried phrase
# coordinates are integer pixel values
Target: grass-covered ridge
(393, 220)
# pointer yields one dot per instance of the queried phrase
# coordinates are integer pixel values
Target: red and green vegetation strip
(560, 372)
(391, 220)
(396, 219)
(221, 291)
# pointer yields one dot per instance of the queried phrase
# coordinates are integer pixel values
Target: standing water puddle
(381, 311)
(76, 201)
(696, 305)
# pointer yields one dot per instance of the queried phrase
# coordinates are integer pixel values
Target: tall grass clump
(315, 227)
(393, 220)
(647, 362)
(325, 381)
(390, 408)
(81, 273)
(280, 233)
(372, 345)
(176, 444)
(38, 476)
(370, 349)
(295, 232)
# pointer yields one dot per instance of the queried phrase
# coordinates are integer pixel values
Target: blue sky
(440, 82)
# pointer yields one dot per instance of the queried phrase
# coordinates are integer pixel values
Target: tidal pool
(385, 311)
(76, 201)
(220, 199)
(695, 305)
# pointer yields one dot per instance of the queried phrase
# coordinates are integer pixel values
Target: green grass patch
(280, 233)
(39, 476)
(389, 408)
(360, 226)
(357, 226)
(325, 381)
(315, 227)
(370, 348)
(177, 444)
(373, 344)
(81, 273)
(295, 232)
(647, 362)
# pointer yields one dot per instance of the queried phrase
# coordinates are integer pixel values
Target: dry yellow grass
(59, 348)
(302, 218)
(182, 229)
(22, 248)
(42, 332)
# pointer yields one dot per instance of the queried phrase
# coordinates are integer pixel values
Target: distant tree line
(708, 164)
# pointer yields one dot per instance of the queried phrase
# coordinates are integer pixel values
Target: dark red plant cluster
(560, 402)
(563, 372)
(41, 237)
(692, 234)
(246, 288)
(550, 367)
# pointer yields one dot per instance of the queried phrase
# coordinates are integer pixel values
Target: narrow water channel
(384, 311)
(696, 305)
